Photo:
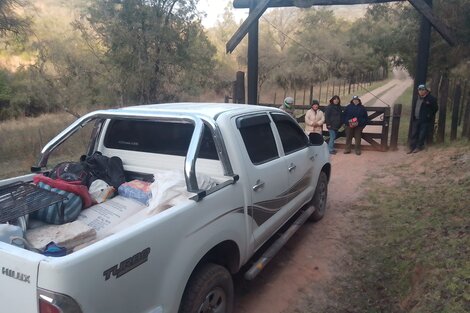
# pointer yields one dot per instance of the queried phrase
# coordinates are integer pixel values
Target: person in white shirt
(314, 119)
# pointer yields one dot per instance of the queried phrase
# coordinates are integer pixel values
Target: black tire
(209, 290)
(319, 198)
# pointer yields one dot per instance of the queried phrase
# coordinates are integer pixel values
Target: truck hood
(18, 279)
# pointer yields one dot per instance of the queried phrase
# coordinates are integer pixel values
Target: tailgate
(18, 279)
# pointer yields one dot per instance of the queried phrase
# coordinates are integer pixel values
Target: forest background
(61, 59)
(405, 241)
(79, 55)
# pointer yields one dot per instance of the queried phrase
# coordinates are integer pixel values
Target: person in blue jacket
(355, 119)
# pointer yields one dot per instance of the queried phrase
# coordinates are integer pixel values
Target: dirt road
(390, 92)
(311, 258)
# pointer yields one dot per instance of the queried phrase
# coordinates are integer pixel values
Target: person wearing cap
(333, 121)
(288, 106)
(355, 119)
(422, 120)
(314, 119)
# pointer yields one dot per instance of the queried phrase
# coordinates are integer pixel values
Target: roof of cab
(211, 110)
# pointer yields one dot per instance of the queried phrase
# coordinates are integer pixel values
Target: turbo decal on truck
(127, 265)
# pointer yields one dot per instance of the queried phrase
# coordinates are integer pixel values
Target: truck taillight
(47, 307)
(54, 302)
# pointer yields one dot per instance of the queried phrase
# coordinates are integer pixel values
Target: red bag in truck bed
(76, 188)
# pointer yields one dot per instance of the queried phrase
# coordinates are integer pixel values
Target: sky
(214, 10)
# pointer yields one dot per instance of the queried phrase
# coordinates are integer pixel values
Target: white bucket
(8, 232)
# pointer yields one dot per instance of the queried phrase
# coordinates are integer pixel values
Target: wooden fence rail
(378, 116)
(453, 95)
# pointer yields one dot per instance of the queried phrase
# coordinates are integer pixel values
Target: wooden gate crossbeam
(263, 5)
(440, 27)
(244, 4)
(377, 113)
(370, 138)
(254, 15)
(258, 7)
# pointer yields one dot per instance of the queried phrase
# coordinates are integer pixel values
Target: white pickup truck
(247, 173)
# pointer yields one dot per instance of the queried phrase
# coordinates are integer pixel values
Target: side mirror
(315, 139)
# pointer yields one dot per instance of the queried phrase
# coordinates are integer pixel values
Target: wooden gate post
(466, 118)
(239, 88)
(443, 94)
(395, 126)
(234, 91)
(463, 101)
(253, 59)
(386, 125)
(455, 112)
(435, 80)
(310, 98)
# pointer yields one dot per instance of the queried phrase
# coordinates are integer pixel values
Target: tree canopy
(68, 55)
(10, 21)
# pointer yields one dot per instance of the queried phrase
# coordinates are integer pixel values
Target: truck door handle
(259, 184)
(291, 167)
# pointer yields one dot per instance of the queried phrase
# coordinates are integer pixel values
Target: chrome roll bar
(142, 114)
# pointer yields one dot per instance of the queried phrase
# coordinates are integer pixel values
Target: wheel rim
(214, 302)
(320, 203)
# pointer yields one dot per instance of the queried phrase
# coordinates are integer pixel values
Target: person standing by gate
(314, 119)
(355, 119)
(288, 106)
(423, 119)
(333, 121)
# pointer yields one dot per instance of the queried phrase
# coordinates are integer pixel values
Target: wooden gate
(375, 133)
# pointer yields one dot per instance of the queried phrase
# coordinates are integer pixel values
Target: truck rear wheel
(209, 290)
(319, 198)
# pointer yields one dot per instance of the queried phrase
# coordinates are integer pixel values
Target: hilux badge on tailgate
(16, 275)
(127, 265)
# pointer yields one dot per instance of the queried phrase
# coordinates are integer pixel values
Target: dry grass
(23, 139)
(410, 252)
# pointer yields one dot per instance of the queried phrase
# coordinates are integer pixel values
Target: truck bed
(102, 220)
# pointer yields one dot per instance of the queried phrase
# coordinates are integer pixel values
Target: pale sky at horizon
(214, 10)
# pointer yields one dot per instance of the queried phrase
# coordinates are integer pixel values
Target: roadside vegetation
(23, 139)
(76, 55)
(405, 99)
(411, 250)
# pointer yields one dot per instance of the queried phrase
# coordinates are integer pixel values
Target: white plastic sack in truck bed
(103, 217)
(169, 189)
(118, 213)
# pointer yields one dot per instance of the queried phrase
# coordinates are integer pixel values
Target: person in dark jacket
(423, 119)
(333, 121)
(355, 119)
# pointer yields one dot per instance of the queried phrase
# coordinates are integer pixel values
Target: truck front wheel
(319, 198)
(209, 290)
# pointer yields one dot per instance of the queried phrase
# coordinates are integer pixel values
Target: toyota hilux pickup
(226, 178)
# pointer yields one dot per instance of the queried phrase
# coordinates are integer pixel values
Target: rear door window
(258, 138)
(292, 136)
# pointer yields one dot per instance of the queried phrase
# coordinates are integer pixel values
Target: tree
(227, 64)
(155, 50)
(393, 30)
(10, 22)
